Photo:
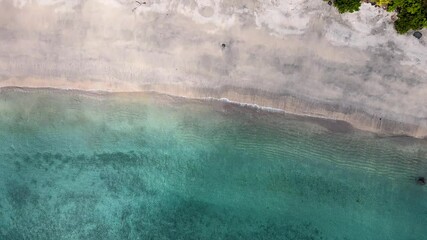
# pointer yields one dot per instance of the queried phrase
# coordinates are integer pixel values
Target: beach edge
(266, 101)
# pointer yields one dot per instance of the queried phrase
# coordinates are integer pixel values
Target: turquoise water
(91, 166)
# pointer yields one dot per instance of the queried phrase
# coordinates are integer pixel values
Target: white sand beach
(301, 56)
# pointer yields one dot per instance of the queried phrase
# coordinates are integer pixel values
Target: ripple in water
(93, 166)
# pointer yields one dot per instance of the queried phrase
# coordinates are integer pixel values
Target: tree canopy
(347, 5)
(412, 14)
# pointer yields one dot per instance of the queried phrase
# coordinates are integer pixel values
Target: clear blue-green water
(144, 166)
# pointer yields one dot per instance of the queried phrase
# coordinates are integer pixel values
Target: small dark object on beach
(139, 4)
(421, 181)
(330, 3)
(418, 34)
(223, 45)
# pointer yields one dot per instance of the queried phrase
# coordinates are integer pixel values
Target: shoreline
(256, 99)
(302, 58)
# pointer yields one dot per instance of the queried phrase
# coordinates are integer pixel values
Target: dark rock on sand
(418, 34)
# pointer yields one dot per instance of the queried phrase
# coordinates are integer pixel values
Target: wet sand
(332, 117)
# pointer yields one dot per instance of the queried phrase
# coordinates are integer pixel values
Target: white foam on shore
(248, 105)
(264, 108)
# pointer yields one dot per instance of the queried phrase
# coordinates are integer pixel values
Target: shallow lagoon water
(77, 165)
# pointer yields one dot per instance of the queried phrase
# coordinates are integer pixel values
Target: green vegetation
(382, 3)
(347, 5)
(412, 14)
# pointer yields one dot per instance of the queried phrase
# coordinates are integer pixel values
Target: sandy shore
(299, 56)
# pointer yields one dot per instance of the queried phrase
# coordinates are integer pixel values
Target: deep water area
(81, 165)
